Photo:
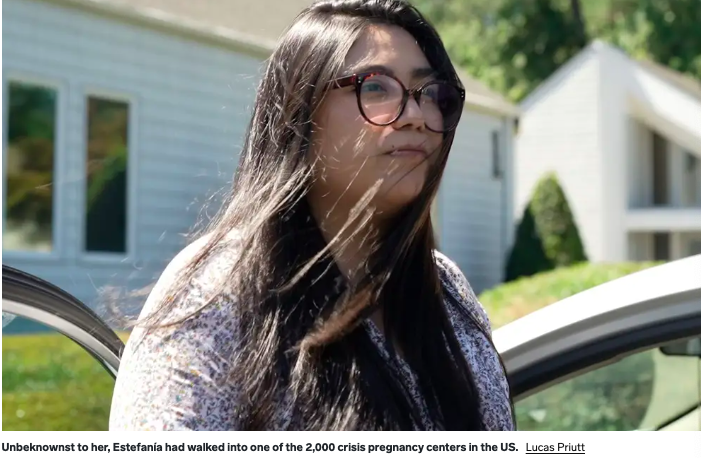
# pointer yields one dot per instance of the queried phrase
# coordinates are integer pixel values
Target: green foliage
(665, 31)
(546, 36)
(510, 301)
(613, 398)
(30, 154)
(33, 112)
(528, 254)
(555, 223)
(547, 235)
(514, 45)
(510, 45)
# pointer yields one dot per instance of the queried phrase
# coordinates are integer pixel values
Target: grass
(50, 383)
(510, 301)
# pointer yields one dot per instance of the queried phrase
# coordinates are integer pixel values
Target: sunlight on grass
(51, 383)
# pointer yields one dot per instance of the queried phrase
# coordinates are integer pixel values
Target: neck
(353, 249)
(351, 242)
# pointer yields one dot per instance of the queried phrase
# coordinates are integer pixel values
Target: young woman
(317, 300)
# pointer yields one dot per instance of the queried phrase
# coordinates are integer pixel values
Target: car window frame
(576, 361)
(30, 297)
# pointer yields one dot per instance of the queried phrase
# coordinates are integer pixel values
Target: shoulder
(221, 254)
(459, 287)
(175, 377)
(452, 275)
(188, 312)
(194, 277)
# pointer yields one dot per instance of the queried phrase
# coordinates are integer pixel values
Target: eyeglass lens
(381, 101)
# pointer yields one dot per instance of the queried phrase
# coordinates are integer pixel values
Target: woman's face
(351, 154)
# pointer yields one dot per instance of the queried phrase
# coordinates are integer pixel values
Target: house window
(29, 168)
(692, 191)
(694, 248)
(107, 178)
(661, 246)
(660, 171)
(496, 156)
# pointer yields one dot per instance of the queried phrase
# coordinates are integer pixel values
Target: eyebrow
(417, 73)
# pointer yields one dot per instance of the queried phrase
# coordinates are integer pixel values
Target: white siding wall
(190, 105)
(613, 141)
(475, 226)
(560, 131)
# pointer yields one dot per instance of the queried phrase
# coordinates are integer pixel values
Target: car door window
(649, 390)
(49, 382)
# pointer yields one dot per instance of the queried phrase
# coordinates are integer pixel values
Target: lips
(409, 151)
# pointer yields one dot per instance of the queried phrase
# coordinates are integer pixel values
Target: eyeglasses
(383, 98)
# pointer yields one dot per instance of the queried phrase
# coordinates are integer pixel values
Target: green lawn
(63, 388)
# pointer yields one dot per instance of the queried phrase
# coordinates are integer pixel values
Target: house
(124, 117)
(624, 138)
(474, 206)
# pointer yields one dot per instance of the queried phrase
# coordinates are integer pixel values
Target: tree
(514, 45)
(665, 31)
(510, 45)
(540, 36)
(580, 26)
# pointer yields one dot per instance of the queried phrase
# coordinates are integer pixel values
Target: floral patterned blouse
(173, 378)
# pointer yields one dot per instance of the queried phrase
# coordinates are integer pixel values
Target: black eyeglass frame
(357, 80)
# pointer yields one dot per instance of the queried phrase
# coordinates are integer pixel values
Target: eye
(432, 93)
(373, 86)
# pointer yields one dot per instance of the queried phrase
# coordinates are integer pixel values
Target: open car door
(625, 355)
(60, 360)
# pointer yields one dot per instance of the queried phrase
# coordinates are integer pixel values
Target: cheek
(342, 139)
(435, 141)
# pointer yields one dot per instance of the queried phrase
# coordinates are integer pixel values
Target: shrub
(547, 235)
(527, 255)
(510, 301)
(555, 223)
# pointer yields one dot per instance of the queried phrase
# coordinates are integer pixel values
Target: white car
(625, 355)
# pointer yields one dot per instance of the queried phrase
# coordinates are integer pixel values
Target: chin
(402, 193)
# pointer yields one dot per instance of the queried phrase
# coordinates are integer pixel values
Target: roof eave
(491, 106)
(248, 44)
(158, 19)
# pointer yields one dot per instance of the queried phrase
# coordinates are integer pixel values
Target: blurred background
(577, 160)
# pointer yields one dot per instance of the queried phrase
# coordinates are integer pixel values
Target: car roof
(609, 299)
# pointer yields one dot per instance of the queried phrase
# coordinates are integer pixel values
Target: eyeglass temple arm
(344, 81)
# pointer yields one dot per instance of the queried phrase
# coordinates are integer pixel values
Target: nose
(412, 116)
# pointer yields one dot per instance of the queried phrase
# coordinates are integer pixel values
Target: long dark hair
(301, 324)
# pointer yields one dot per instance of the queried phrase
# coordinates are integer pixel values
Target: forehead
(388, 46)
